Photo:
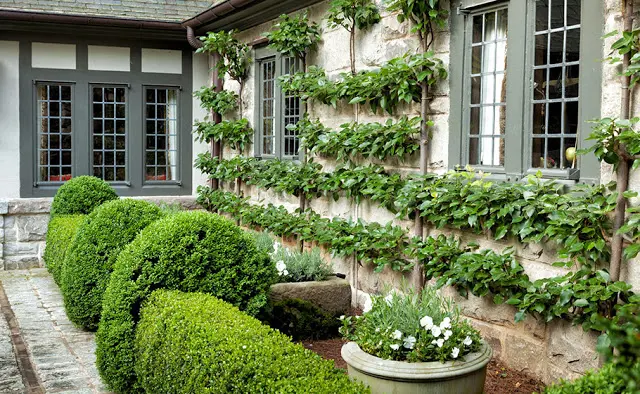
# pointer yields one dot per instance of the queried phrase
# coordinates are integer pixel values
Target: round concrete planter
(399, 377)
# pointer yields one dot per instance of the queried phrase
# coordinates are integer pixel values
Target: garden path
(41, 351)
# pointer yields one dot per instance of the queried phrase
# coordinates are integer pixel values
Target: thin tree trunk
(622, 174)
(216, 83)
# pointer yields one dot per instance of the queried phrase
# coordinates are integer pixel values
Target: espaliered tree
(233, 60)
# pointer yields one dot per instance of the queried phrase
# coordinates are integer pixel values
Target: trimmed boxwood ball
(81, 195)
(60, 233)
(92, 255)
(187, 251)
(195, 343)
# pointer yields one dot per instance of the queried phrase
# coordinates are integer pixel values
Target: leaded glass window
(54, 123)
(161, 134)
(109, 133)
(267, 106)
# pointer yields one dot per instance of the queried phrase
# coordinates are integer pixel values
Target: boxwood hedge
(607, 380)
(195, 343)
(81, 195)
(93, 252)
(187, 251)
(60, 233)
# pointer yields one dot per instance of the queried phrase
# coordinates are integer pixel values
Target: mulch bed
(500, 379)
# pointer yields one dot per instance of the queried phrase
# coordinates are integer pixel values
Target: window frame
(82, 79)
(261, 55)
(519, 114)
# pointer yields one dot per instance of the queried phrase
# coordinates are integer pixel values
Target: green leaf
(581, 303)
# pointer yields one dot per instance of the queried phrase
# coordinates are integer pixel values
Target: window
(54, 103)
(275, 110)
(522, 104)
(129, 128)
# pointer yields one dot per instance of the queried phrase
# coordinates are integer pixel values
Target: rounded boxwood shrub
(81, 195)
(92, 255)
(60, 233)
(195, 343)
(187, 251)
(607, 380)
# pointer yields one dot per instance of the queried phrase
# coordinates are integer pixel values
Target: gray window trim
(82, 78)
(520, 85)
(260, 55)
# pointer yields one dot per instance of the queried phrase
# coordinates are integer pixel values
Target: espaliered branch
(577, 296)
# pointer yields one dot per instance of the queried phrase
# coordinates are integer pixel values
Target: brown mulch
(500, 379)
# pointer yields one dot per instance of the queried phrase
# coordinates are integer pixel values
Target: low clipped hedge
(195, 343)
(607, 380)
(81, 195)
(60, 233)
(187, 251)
(92, 255)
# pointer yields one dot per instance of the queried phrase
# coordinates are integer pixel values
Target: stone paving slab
(63, 356)
(10, 376)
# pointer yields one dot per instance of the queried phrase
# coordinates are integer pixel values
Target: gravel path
(41, 351)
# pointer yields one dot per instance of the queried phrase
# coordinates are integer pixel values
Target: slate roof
(150, 10)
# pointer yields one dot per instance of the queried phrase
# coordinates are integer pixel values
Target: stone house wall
(547, 351)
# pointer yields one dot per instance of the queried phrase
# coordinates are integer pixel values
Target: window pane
(556, 76)
(54, 120)
(161, 134)
(109, 110)
(267, 101)
(488, 90)
(291, 113)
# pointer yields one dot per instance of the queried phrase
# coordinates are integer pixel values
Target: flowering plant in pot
(408, 339)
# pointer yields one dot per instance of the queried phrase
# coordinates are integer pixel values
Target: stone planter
(332, 295)
(399, 377)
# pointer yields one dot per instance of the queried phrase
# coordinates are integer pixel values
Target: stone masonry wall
(23, 228)
(547, 351)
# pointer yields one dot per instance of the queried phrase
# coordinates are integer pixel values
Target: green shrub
(195, 343)
(301, 319)
(607, 380)
(187, 251)
(93, 252)
(81, 195)
(61, 231)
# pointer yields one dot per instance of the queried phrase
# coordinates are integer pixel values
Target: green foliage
(234, 54)
(373, 243)
(423, 14)
(352, 14)
(396, 82)
(294, 35)
(620, 343)
(370, 140)
(194, 343)
(295, 266)
(264, 241)
(219, 102)
(607, 380)
(615, 140)
(60, 233)
(301, 319)
(412, 326)
(629, 43)
(631, 228)
(80, 195)
(188, 251)
(93, 253)
(237, 134)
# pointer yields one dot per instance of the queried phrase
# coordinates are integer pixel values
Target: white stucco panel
(9, 119)
(164, 61)
(57, 56)
(104, 58)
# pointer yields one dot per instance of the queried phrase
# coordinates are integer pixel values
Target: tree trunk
(216, 83)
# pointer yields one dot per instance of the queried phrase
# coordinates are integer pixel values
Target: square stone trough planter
(332, 295)
(401, 377)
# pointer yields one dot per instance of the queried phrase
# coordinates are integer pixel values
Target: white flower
(282, 268)
(244, 346)
(342, 317)
(409, 342)
(388, 298)
(446, 323)
(426, 322)
(455, 352)
(368, 304)
(397, 334)
(285, 272)
(434, 342)
(447, 334)
(394, 346)
(378, 329)
(436, 331)
(440, 342)
(467, 341)
(275, 247)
